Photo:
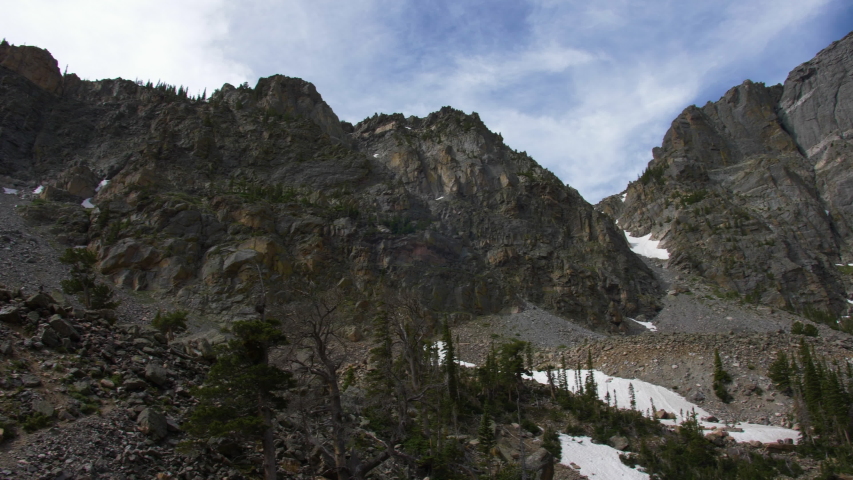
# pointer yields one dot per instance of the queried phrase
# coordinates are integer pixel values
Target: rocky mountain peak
(753, 191)
(35, 64)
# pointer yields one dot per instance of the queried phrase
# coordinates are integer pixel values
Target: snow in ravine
(10, 191)
(88, 203)
(38, 189)
(651, 397)
(101, 185)
(646, 247)
(649, 325)
(596, 460)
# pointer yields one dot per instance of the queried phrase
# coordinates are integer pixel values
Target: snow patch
(649, 325)
(439, 198)
(10, 191)
(647, 394)
(440, 345)
(624, 196)
(87, 203)
(101, 185)
(594, 460)
(375, 155)
(646, 247)
(38, 189)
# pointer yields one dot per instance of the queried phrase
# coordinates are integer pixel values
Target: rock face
(207, 198)
(753, 192)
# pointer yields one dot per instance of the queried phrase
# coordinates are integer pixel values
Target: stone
(63, 328)
(10, 314)
(33, 317)
(48, 337)
(83, 387)
(618, 442)
(35, 64)
(39, 300)
(157, 375)
(43, 407)
(152, 423)
(30, 381)
(540, 464)
(134, 384)
(106, 383)
(6, 348)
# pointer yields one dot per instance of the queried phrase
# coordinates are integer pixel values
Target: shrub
(170, 323)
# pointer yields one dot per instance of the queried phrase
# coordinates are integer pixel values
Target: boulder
(39, 300)
(43, 407)
(618, 442)
(10, 314)
(30, 381)
(540, 465)
(152, 423)
(48, 337)
(157, 375)
(64, 328)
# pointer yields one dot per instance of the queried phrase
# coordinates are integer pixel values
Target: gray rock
(6, 348)
(10, 314)
(153, 423)
(33, 317)
(64, 328)
(43, 407)
(39, 300)
(134, 384)
(84, 387)
(157, 375)
(618, 442)
(30, 381)
(540, 465)
(48, 337)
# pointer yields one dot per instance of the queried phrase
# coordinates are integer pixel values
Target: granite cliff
(752, 192)
(205, 199)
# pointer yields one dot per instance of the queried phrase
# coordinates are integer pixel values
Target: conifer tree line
(822, 391)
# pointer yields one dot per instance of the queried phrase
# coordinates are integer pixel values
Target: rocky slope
(209, 198)
(751, 192)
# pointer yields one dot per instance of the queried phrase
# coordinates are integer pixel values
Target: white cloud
(587, 88)
(171, 41)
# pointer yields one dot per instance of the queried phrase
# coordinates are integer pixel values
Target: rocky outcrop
(209, 198)
(35, 64)
(751, 192)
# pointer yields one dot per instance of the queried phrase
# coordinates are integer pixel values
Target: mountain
(752, 192)
(212, 199)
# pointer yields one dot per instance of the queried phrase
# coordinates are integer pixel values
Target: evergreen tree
(551, 442)
(631, 395)
(450, 365)
(721, 378)
(170, 323)
(780, 373)
(590, 386)
(242, 389)
(82, 282)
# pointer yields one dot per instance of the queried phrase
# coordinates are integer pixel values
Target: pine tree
(82, 282)
(590, 386)
(631, 395)
(721, 378)
(242, 389)
(780, 373)
(486, 433)
(450, 365)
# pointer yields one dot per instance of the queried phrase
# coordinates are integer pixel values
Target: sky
(586, 88)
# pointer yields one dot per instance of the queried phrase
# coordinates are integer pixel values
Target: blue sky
(586, 88)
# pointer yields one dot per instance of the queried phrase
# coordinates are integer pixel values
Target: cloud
(171, 41)
(587, 88)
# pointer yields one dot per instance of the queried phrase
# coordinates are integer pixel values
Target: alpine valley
(244, 286)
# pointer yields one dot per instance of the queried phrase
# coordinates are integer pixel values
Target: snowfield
(594, 460)
(651, 397)
(649, 325)
(646, 247)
